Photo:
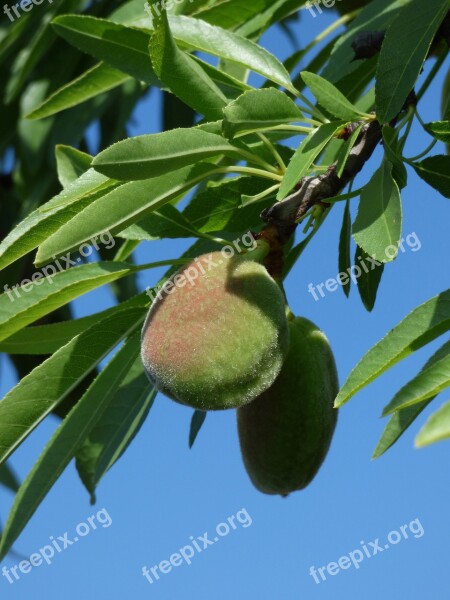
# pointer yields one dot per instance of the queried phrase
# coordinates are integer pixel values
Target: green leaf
(199, 35)
(429, 382)
(124, 416)
(25, 406)
(116, 211)
(225, 80)
(276, 12)
(369, 279)
(121, 47)
(219, 207)
(47, 339)
(184, 77)
(402, 419)
(230, 14)
(259, 110)
(153, 155)
(440, 130)
(344, 246)
(29, 302)
(435, 170)
(126, 48)
(305, 155)
(403, 53)
(8, 478)
(330, 98)
(167, 222)
(47, 219)
(65, 442)
(71, 164)
(198, 418)
(424, 324)
(97, 80)
(436, 429)
(378, 225)
(394, 156)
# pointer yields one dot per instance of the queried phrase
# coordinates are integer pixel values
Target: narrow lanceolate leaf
(258, 110)
(378, 225)
(99, 79)
(429, 382)
(369, 277)
(232, 13)
(305, 155)
(29, 302)
(328, 96)
(403, 53)
(121, 47)
(402, 419)
(25, 406)
(167, 222)
(120, 423)
(219, 76)
(47, 339)
(435, 170)
(436, 429)
(71, 164)
(439, 130)
(65, 442)
(44, 221)
(276, 11)
(182, 75)
(115, 212)
(344, 246)
(198, 418)
(147, 156)
(219, 206)
(198, 34)
(8, 478)
(424, 324)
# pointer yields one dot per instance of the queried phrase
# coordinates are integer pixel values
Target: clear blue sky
(160, 493)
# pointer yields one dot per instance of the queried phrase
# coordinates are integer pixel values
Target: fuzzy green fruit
(219, 338)
(285, 434)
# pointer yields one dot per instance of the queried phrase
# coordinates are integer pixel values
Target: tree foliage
(230, 147)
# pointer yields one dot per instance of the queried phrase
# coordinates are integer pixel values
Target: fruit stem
(289, 314)
(259, 252)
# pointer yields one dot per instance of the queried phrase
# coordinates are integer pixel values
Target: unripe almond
(219, 337)
(286, 432)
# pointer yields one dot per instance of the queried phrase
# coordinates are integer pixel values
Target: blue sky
(160, 493)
